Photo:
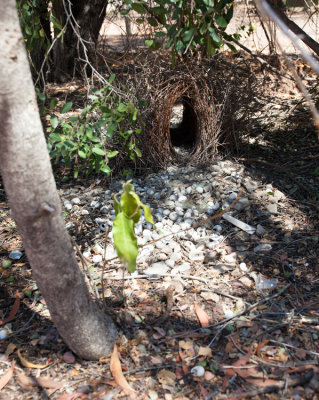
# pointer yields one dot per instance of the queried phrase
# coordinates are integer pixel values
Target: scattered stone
(246, 281)
(228, 314)
(210, 296)
(243, 267)
(15, 255)
(221, 268)
(76, 200)
(250, 185)
(97, 258)
(242, 203)
(181, 269)
(157, 268)
(272, 208)
(230, 258)
(260, 230)
(198, 371)
(262, 247)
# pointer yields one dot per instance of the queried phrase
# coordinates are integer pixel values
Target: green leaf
(105, 169)
(122, 107)
(214, 35)
(111, 154)
(53, 103)
(130, 205)
(232, 47)
(41, 96)
(179, 46)
(160, 34)
(149, 43)
(55, 22)
(54, 121)
(147, 213)
(138, 152)
(188, 35)
(111, 78)
(221, 22)
(67, 107)
(98, 151)
(139, 8)
(125, 241)
(152, 21)
(81, 154)
(117, 205)
(55, 137)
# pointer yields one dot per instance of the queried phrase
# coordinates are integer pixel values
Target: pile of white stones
(179, 198)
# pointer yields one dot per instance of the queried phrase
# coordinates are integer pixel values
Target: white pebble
(243, 267)
(199, 189)
(97, 258)
(76, 200)
(198, 371)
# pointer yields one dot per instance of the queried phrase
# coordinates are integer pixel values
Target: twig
(155, 276)
(300, 380)
(262, 61)
(313, 353)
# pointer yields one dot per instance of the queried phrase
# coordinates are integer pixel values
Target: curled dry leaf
(202, 316)
(205, 351)
(29, 364)
(13, 311)
(185, 345)
(239, 363)
(7, 376)
(29, 381)
(166, 377)
(116, 370)
(73, 396)
(10, 349)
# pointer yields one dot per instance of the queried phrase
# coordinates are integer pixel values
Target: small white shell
(198, 371)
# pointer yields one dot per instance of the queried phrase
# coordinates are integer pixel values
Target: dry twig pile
(218, 99)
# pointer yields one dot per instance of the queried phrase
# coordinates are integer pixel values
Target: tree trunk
(83, 27)
(30, 187)
(295, 28)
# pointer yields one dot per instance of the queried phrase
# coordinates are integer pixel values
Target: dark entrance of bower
(184, 124)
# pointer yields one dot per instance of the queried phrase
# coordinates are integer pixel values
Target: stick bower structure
(217, 99)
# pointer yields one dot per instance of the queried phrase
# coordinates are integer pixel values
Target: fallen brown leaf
(239, 363)
(116, 370)
(30, 381)
(73, 396)
(202, 316)
(13, 311)
(205, 351)
(7, 376)
(166, 377)
(29, 364)
(10, 349)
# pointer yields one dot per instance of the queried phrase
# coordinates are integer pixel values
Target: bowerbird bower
(217, 100)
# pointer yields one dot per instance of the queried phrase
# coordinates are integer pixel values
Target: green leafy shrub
(187, 25)
(87, 141)
(128, 213)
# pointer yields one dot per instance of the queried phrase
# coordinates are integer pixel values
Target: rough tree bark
(86, 18)
(28, 180)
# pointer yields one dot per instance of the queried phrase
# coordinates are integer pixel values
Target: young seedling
(128, 213)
